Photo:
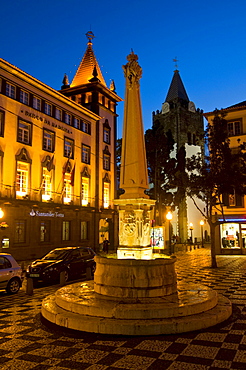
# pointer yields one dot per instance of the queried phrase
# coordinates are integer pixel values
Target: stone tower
(89, 89)
(180, 116)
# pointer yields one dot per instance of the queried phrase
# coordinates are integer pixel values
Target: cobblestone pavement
(28, 342)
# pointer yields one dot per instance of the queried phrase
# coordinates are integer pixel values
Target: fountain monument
(135, 292)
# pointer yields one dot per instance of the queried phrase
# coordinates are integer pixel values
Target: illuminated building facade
(231, 232)
(57, 167)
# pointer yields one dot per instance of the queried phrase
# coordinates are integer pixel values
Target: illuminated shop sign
(45, 214)
(232, 220)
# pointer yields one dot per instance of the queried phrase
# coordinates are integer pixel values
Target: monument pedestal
(135, 297)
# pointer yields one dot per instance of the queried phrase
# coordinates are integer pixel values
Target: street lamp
(1, 213)
(191, 229)
(201, 224)
(169, 217)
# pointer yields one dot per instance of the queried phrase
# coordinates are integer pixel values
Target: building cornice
(11, 69)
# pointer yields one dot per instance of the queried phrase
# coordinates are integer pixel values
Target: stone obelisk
(134, 205)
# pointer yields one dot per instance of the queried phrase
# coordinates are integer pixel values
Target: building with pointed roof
(57, 160)
(89, 89)
(180, 116)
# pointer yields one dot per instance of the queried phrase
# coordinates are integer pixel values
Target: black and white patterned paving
(28, 342)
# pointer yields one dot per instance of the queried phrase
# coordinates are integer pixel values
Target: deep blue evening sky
(47, 39)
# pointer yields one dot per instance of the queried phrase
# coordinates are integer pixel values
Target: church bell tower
(180, 116)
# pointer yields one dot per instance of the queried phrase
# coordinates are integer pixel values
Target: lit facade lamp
(1, 213)
(169, 218)
(191, 232)
(201, 224)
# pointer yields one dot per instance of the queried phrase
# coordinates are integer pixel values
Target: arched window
(22, 178)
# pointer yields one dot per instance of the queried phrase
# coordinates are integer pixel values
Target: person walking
(105, 245)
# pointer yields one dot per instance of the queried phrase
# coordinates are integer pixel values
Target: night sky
(47, 39)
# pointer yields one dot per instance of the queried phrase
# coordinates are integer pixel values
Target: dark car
(74, 262)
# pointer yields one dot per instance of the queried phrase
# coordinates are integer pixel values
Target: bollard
(29, 286)
(62, 278)
(88, 273)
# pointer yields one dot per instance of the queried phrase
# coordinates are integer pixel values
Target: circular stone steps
(192, 307)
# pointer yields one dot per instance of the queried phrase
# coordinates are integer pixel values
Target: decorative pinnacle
(90, 36)
(131, 57)
(175, 60)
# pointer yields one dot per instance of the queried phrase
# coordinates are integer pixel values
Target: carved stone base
(138, 253)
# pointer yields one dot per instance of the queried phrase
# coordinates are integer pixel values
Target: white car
(10, 274)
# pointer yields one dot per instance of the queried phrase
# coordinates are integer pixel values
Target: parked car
(72, 261)
(10, 274)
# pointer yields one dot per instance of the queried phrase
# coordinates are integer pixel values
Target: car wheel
(13, 286)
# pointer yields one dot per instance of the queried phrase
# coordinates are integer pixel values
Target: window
(67, 118)
(85, 191)
(4, 263)
(24, 132)
(46, 185)
(44, 231)
(106, 135)
(233, 199)
(189, 138)
(10, 90)
(22, 179)
(106, 194)
(83, 230)
(106, 162)
(68, 147)
(194, 139)
(65, 230)
(36, 103)
(234, 128)
(20, 231)
(48, 140)
(67, 189)
(58, 114)
(76, 122)
(47, 108)
(85, 127)
(86, 154)
(1, 123)
(24, 97)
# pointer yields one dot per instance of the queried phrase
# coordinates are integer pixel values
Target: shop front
(232, 235)
(29, 231)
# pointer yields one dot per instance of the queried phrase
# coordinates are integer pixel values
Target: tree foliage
(161, 167)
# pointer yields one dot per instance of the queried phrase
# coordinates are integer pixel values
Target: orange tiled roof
(85, 71)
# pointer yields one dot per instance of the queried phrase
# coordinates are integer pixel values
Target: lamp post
(191, 230)
(201, 224)
(169, 217)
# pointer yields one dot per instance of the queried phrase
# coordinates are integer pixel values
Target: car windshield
(56, 254)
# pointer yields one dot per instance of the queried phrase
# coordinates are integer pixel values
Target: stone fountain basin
(134, 278)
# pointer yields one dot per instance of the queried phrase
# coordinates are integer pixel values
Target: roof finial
(95, 74)
(175, 60)
(65, 82)
(90, 36)
(112, 86)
